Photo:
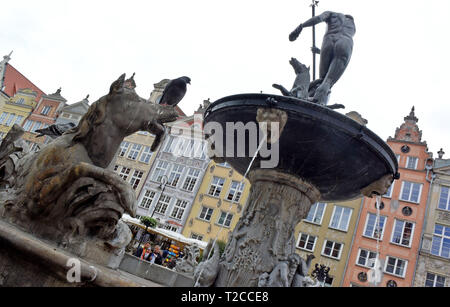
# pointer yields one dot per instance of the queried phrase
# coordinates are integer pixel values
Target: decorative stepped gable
(409, 131)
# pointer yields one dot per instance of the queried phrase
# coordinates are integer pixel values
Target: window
(18, 120)
(444, 199)
(396, 266)
(225, 219)
(170, 227)
(146, 155)
(440, 245)
(10, 120)
(403, 233)
(316, 213)
(180, 146)
(216, 186)
(147, 199)
(175, 175)
(411, 191)
(36, 126)
(124, 172)
(160, 170)
(46, 110)
(136, 179)
(366, 258)
(20, 101)
(434, 280)
(332, 249)
(123, 148)
(3, 117)
(206, 214)
(134, 151)
(189, 148)
(200, 152)
(374, 229)
(235, 192)
(411, 162)
(178, 209)
(306, 242)
(191, 179)
(224, 164)
(162, 204)
(28, 124)
(196, 236)
(389, 191)
(170, 145)
(341, 218)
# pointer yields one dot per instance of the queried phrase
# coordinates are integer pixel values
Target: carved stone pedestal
(264, 238)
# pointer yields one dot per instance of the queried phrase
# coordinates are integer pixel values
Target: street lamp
(162, 187)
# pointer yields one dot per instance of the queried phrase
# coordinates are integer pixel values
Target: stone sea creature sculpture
(65, 192)
(300, 88)
(189, 262)
(208, 270)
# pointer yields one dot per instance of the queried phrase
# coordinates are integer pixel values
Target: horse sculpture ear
(117, 85)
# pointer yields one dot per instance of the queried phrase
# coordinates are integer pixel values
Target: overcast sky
(400, 57)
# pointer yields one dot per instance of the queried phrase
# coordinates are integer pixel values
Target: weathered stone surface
(263, 239)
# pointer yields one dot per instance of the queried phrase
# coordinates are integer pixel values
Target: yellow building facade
(327, 233)
(218, 204)
(134, 159)
(16, 109)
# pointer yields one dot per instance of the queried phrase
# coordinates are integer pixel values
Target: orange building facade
(402, 212)
(43, 115)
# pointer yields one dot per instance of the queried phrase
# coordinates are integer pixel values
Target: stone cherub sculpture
(301, 274)
(337, 47)
(64, 192)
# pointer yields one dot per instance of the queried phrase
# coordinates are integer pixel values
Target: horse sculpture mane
(95, 115)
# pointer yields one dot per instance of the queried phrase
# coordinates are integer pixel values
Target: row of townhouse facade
(204, 200)
(24, 104)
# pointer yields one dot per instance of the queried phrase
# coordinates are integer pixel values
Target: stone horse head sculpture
(64, 190)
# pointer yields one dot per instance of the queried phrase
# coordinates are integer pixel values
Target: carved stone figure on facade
(337, 47)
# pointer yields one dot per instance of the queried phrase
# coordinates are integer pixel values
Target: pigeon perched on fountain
(55, 130)
(175, 91)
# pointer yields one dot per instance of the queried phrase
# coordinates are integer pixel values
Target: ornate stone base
(263, 239)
